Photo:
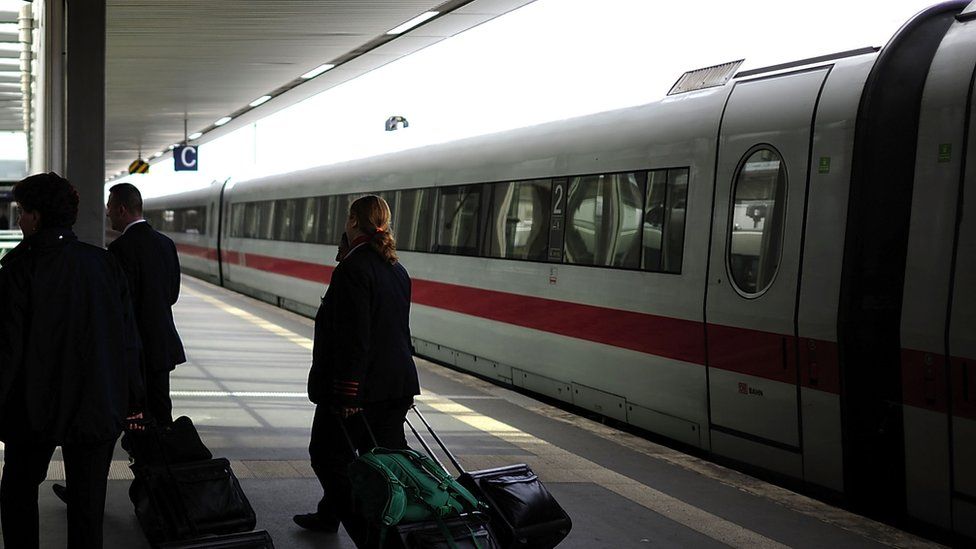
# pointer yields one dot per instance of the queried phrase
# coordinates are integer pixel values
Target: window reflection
(603, 220)
(756, 231)
(413, 219)
(457, 220)
(519, 227)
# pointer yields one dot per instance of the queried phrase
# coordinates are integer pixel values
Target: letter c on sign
(189, 156)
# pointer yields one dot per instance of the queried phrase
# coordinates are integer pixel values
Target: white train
(776, 266)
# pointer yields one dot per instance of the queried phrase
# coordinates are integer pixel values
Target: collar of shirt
(356, 247)
(133, 223)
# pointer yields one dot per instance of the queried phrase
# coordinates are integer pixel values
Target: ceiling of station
(11, 69)
(178, 60)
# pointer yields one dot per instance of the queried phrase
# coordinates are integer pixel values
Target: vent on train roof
(709, 77)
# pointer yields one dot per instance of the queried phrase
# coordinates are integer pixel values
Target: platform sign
(185, 159)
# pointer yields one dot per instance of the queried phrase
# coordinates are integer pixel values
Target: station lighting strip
(417, 21)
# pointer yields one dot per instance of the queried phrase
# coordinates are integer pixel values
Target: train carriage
(774, 266)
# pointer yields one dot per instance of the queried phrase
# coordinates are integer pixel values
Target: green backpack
(394, 486)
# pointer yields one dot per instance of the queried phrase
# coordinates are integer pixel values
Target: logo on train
(745, 389)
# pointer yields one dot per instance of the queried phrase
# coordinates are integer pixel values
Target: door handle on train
(786, 358)
(965, 381)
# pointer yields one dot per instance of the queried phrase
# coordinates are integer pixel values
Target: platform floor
(244, 387)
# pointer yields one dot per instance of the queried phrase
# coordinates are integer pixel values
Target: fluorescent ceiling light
(173, 146)
(223, 121)
(195, 135)
(260, 100)
(413, 22)
(317, 71)
(158, 154)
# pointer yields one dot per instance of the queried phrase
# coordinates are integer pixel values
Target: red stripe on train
(748, 352)
(924, 384)
(197, 251)
(657, 335)
(288, 267)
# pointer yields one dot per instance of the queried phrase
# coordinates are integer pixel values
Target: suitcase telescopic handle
(345, 432)
(450, 456)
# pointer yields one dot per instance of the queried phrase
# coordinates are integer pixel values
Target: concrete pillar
(84, 87)
(47, 133)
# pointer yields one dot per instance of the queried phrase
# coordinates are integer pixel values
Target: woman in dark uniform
(362, 362)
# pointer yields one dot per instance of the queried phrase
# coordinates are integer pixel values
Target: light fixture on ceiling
(394, 123)
(194, 135)
(158, 154)
(413, 22)
(260, 100)
(317, 71)
(223, 121)
(173, 146)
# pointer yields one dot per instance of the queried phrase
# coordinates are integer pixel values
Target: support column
(84, 152)
(47, 133)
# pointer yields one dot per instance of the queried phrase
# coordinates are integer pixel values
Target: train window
(412, 220)
(518, 226)
(237, 220)
(251, 221)
(285, 219)
(674, 241)
(307, 215)
(168, 224)
(756, 225)
(456, 231)
(603, 219)
(266, 230)
(654, 214)
(326, 233)
(192, 220)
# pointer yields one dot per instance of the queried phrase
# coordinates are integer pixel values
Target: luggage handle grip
(450, 456)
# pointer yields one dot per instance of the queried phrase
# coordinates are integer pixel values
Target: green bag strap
(446, 481)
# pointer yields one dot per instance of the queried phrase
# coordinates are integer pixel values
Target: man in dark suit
(153, 270)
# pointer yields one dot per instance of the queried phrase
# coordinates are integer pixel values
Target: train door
(962, 348)
(754, 264)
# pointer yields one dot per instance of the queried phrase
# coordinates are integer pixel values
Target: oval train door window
(756, 224)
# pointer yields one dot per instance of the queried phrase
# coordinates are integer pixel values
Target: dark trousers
(330, 455)
(158, 403)
(86, 475)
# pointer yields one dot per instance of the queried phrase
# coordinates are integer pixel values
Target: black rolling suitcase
(188, 503)
(522, 511)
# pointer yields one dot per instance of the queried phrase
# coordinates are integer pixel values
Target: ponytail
(385, 245)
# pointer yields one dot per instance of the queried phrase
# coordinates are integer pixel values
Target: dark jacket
(153, 270)
(362, 353)
(69, 349)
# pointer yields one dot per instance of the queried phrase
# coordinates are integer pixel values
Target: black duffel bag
(188, 500)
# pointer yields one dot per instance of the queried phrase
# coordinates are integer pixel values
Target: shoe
(61, 491)
(315, 522)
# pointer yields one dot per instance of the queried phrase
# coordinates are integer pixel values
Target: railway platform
(244, 388)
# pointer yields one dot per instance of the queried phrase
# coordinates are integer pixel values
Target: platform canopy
(173, 60)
